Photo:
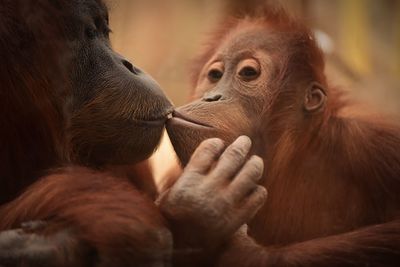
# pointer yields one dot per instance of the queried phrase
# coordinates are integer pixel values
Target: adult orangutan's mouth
(150, 123)
(154, 122)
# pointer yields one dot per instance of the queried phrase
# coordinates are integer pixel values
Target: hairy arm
(117, 223)
(26, 246)
(377, 245)
(118, 226)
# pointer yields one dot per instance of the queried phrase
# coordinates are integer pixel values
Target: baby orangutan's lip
(184, 119)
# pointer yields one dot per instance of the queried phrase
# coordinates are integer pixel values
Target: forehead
(247, 36)
(90, 8)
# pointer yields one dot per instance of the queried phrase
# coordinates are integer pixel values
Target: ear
(315, 97)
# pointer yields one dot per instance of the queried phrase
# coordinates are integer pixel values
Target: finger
(205, 155)
(31, 226)
(11, 238)
(18, 246)
(232, 159)
(249, 207)
(253, 203)
(243, 230)
(247, 179)
(63, 248)
(241, 233)
(241, 238)
(161, 196)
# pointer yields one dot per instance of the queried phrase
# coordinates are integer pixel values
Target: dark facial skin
(103, 82)
(69, 96)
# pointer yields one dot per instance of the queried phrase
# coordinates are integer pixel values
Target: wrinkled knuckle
(213, 142)
(238, 150)
(236, 153)
(212, 145)
(227, 199)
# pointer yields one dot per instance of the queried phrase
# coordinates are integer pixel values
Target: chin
(186, 136)
(141, 147)
(126, 143)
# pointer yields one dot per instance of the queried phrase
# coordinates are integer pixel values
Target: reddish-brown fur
(108, 210)
(68, 100)
(31, 122)
(35, 94)
(95, 206)
(333, 176)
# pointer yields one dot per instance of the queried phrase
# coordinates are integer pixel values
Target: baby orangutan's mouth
(185, 120)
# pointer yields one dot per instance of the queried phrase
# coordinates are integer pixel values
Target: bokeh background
(361, 40)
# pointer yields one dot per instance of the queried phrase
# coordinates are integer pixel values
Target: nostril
(130, 67)
(136, 70)
(211, 98)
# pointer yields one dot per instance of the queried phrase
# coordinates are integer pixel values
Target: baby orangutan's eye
(216, 71)
(248, 70)
(215, 75)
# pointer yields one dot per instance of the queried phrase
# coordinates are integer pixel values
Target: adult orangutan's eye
(91, 33)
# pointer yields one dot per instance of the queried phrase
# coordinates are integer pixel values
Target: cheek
(230, 118)
(200, 90)
(248, 99)
(234, 119)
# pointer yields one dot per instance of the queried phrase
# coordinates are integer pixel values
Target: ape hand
(216, 194)
(26, 247)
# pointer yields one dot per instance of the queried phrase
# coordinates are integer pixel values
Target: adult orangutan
(332, 175)
(74, 111)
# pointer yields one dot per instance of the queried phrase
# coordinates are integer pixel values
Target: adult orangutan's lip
(150, 123)
(184, 119)
(154, 122)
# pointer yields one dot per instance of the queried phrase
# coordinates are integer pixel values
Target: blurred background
(361, 40)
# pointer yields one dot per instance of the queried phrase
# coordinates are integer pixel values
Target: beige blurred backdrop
(361, 39)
